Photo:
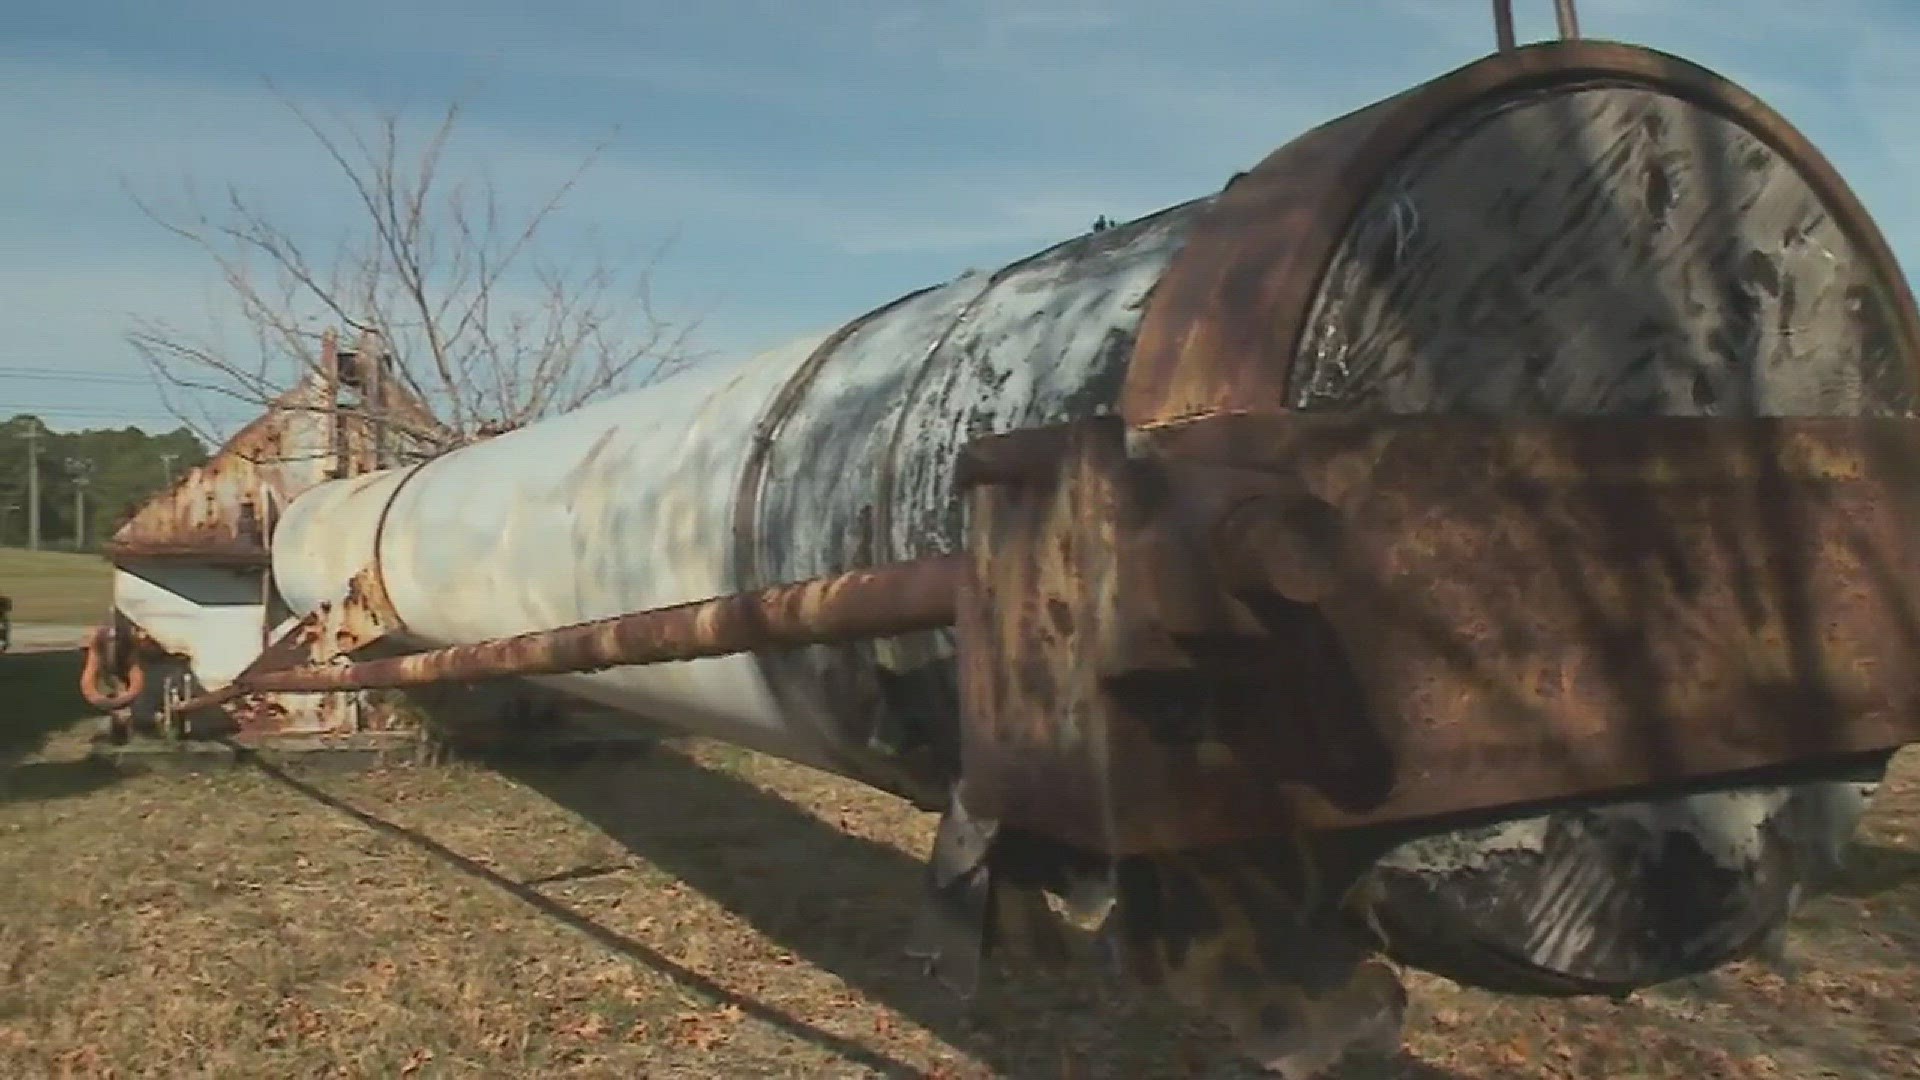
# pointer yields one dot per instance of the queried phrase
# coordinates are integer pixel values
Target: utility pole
(166, 459)
(33, 486)
(81, 469)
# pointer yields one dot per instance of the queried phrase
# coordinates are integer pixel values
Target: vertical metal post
(267, 621)
(33, 487)
(81, 471)
(330, 374)
(1567, 18)
(373, 376)
(1564, 16)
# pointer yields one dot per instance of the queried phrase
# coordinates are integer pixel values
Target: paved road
(48, 637)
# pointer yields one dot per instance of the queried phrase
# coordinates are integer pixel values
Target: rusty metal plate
(1082, 717)
(1500, 613)
(1041, 580)
(1553, 609)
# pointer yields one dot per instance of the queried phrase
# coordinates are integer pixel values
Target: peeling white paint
(211, 616)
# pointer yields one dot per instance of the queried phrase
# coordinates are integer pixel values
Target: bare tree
(474, 321)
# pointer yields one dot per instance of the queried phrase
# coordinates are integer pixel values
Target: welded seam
(885, 477)
(377, 567)
(746, 501)
(746, 518)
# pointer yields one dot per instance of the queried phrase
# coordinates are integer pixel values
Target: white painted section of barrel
(621, 506)
(211, 616)
(326, 536)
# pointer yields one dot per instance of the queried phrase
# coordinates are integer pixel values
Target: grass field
(705, 912)
(56, 586)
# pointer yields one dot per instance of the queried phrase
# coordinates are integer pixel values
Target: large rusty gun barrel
(1483, 533)
(1518, 611)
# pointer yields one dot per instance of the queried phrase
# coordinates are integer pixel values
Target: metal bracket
(1251, 625)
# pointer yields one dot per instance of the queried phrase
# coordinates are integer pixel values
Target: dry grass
(56, 586)
(704, 912)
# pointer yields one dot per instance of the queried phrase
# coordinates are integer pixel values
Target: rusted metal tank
(1632, 256)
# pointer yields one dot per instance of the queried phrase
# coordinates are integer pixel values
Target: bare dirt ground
(704, 912)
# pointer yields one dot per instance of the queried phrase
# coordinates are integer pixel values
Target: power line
(96, 377)
(49, 370)
(85, 411)
(33, 489)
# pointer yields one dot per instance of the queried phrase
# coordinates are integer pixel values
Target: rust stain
(1241, 626)
(222, 512)
(1226, 319)
(362, 616)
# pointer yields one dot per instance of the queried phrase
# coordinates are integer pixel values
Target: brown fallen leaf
(589, 1027)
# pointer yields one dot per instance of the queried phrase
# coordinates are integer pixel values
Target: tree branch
(482, 329)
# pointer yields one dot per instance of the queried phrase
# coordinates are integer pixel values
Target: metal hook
(1564, 15)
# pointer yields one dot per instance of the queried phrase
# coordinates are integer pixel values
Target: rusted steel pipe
(90, 676)
(878, 602)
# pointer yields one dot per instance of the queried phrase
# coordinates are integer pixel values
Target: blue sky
(809, 161)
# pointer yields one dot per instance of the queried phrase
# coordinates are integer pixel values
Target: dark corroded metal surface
(362, 617)
(1729, 266)
(1567, 229)
(818, 445)
(1268, 261)
(1448, 616)
(856, 457)
(863, 603)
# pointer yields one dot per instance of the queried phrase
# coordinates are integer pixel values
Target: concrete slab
(48, 637)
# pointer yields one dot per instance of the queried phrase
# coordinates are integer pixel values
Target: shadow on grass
(1874, 869)
(39, 698)
(41, 695)
(605, 937)
(846, 904)
(842, 903)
